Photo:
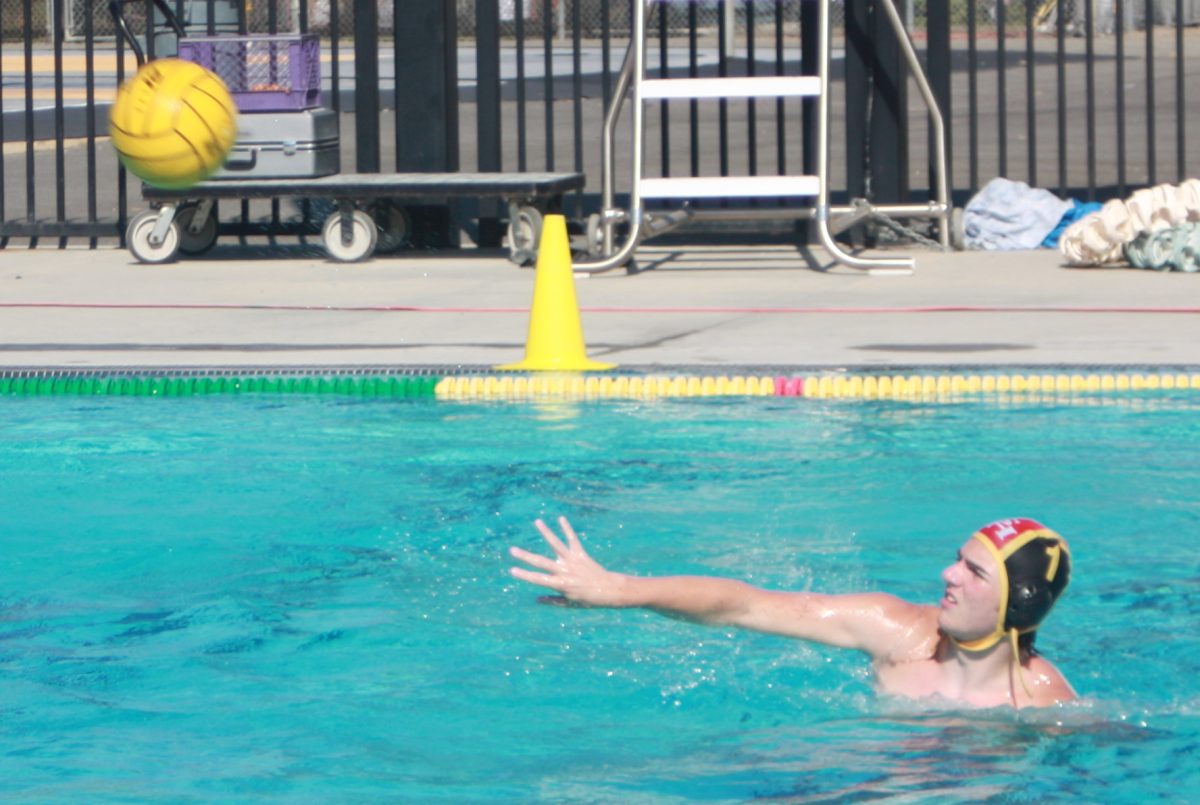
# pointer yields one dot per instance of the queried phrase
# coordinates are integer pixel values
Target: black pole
(809, 44)
(427, 108)
(1180, 99)
(889, 113)
(1151, 134)
(366, 86)
(858, 91)
(938, 63)
(1119, 33)
(1002, 89)
(487, 101)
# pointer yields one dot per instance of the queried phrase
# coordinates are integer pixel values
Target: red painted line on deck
(609, 309)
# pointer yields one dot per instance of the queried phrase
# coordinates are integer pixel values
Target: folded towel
(1007, 215)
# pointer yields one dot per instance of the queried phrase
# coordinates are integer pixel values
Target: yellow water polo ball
(173, 124)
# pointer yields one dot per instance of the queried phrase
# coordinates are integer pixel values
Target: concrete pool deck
(706, 308)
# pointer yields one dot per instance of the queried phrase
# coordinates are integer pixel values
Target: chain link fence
(594, 18)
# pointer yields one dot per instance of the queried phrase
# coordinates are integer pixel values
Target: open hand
(571, 572)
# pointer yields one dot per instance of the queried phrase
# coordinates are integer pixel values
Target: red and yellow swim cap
(1034, 565)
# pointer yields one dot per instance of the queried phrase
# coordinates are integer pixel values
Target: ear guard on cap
(1037, 575)
(1027, 605)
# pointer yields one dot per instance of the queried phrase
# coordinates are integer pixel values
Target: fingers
(557, 574)
(553, 582)
(534, 559)
(572, 539)
(551, 538)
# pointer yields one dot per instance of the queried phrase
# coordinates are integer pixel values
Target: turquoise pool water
(307, 599)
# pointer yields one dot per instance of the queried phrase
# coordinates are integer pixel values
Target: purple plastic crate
(264, 72)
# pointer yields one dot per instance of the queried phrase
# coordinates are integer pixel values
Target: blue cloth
(1007, 215)
(1077, 211)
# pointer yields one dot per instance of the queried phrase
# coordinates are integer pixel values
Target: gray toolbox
(284, 145)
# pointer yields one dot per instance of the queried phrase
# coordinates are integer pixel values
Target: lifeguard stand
(633, 85)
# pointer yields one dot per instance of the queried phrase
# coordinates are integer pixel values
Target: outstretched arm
(875, 623)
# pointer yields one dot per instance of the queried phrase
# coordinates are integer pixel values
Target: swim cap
(1035, 566)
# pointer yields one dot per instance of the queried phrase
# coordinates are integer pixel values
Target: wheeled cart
(288, 147)
(184, 221)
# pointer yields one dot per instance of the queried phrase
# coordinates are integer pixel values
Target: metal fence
(1090, 102)
(613, 16)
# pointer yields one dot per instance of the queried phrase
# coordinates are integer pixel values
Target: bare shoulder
(1047, 685)
(899, 609)
(896, 612)
(904, 631)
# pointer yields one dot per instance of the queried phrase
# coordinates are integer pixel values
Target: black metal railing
(1087, 99)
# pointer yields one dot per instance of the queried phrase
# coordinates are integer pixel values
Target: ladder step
(782, 86)
(730, 187)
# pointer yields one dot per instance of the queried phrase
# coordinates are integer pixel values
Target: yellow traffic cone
(555, 333)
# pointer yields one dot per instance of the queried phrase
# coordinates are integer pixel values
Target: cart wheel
(394, 225)
(201, 240)
(524, 233)
(137, 235)
(363, 236)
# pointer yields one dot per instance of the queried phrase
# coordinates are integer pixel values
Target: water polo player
(974, 647)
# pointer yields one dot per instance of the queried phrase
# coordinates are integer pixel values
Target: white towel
(1008, 215)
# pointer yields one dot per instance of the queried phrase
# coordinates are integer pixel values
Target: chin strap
(1016, 658)
(979, 644)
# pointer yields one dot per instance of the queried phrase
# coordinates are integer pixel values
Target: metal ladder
(829, 220)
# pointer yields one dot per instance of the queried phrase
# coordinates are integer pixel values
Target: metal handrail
(826, 216)
(633, 65)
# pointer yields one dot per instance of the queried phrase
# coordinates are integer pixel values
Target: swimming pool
(306, 598)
